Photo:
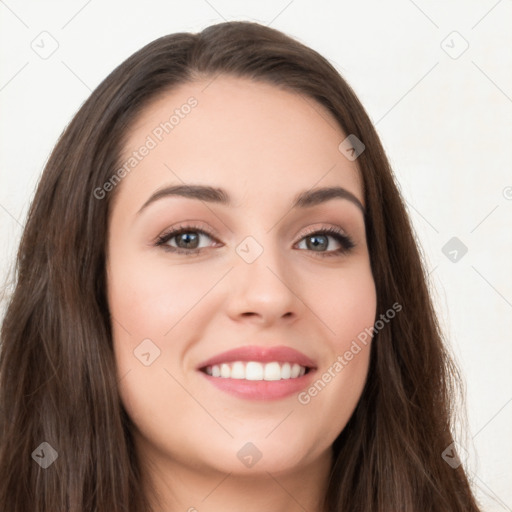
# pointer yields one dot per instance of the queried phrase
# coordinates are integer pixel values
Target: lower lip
(261, 389)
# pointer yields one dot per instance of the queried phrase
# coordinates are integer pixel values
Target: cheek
(148, 307)
(347, 308)
(149, 300)
(345, 303)
(156, 309)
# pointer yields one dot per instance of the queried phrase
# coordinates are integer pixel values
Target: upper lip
(279, 353)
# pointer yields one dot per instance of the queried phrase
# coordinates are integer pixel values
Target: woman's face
(266, 282)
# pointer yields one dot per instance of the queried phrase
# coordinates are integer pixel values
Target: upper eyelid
(182, 228)
(310, 231)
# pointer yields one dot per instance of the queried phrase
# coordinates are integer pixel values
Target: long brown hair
(57, 368)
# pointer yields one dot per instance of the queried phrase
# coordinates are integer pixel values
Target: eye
(186, 239)
(318, 240)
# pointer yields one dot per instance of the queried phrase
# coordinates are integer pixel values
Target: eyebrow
(306, 199)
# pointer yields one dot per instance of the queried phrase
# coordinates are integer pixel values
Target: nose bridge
(260, 247)
(262, 279)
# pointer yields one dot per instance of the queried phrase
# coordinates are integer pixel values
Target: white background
(445, 122)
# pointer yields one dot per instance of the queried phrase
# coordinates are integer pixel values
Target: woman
(220, 302)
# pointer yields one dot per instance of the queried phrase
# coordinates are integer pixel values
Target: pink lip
(263, 389)
(281, 354)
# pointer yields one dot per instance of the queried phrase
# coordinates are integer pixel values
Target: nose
(264, 291)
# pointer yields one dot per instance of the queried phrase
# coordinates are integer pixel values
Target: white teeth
(272, 371)
(238, 370)
(253, 370)
(225, 371)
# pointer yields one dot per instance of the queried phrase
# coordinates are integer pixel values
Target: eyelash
(344, 240)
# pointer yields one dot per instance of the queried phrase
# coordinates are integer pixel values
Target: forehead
(252, 138)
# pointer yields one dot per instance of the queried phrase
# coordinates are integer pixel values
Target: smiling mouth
(256, 371)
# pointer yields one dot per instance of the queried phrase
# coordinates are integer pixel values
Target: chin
(261, 456)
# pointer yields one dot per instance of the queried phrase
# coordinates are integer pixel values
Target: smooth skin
(263, 145)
